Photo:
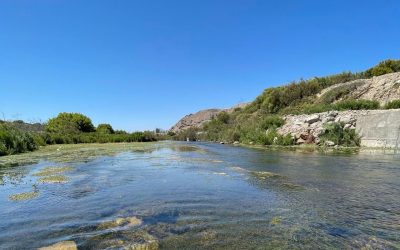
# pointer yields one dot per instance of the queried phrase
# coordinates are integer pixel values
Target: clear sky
(145, 64)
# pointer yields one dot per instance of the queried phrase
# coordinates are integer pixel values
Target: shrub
(223, 117)
(14, 141)
(351, 104)
(335, 132)
(105, 128)
(385, 67)
(395, 104)
(272, 121)
(70, 123)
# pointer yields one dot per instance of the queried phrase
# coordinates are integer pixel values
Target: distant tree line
(65, 128)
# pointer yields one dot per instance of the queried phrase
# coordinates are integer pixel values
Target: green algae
(74, 152)
(52, 171)
(54, 179)
(23, 196)
(276, 221)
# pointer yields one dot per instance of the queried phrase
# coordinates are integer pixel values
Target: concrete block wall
(380, 129)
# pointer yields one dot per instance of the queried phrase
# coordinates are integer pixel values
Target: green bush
(272, 121)
(105, 129)
(395, 104)
(70, 123)
(14, 141)
(385, 67)
(336, 133)
(351, 104)
(223, 117)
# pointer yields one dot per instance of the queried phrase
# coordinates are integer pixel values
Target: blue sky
(145, 64)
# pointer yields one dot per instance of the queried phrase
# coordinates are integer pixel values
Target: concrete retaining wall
(381, 129)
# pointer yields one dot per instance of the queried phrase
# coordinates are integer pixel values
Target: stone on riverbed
(63, 245)
(121, 222)
(138, 240)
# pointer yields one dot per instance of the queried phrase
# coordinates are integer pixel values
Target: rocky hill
(197, 119)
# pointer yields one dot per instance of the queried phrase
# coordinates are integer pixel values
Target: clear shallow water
(199, 195)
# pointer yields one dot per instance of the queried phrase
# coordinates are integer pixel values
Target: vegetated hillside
(197, 119)
(377, 87)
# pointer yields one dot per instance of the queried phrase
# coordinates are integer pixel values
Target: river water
(203, 196)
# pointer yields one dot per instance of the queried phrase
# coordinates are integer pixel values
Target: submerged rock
(138, 240)
(23, 196)
(121, 222)
(63, 245)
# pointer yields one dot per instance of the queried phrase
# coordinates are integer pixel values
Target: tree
(70, 123)
(105, 128)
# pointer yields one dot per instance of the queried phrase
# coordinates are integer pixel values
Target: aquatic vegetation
(121, 222)
(276, 221)
(23, 196)
(52, 170)
(54, 179)
(73, 152)
(263, 175)
(185, 148)
(63, 245)
(291, 186)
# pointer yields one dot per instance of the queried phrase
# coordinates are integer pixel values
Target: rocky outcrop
(197, 119)
(308, 128)
(384, 88)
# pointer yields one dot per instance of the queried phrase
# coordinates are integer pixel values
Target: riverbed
(170, 195)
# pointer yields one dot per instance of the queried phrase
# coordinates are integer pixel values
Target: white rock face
(384, 88)
(308, 128)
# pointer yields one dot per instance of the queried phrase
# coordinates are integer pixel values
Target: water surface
(200, 195)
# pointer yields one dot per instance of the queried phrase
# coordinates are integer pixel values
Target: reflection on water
(198, 195)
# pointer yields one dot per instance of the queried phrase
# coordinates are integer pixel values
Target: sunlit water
(199, 196)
